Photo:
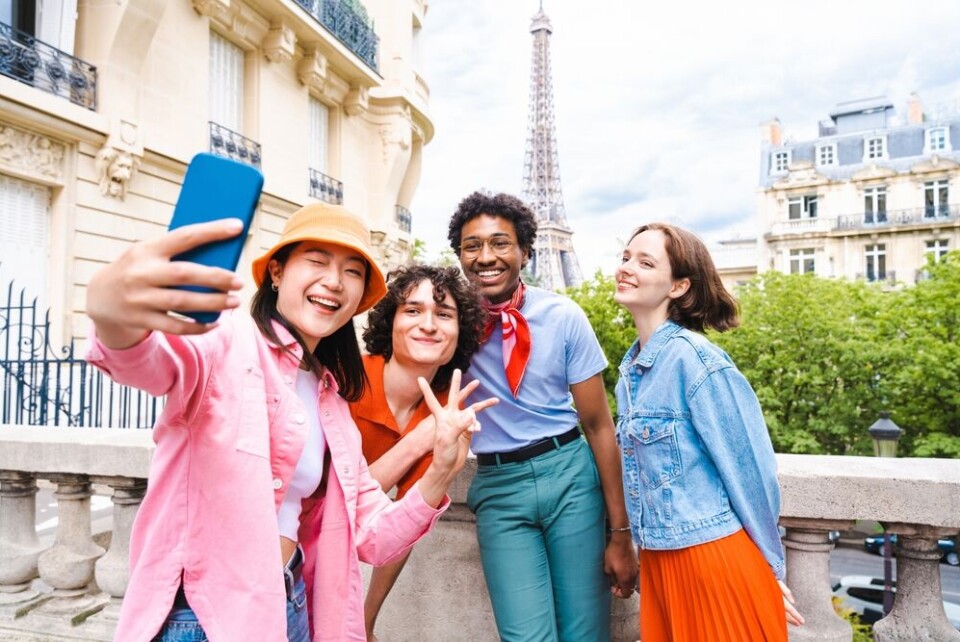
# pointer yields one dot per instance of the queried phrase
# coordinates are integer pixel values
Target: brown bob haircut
(706, 304)
(471, 315)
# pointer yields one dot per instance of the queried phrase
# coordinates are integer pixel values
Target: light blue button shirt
(698, 463)
(564, 351)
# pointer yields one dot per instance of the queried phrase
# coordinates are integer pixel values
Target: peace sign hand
(454, 427)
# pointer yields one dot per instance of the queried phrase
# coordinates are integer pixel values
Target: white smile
(486, 274)
(324, 302)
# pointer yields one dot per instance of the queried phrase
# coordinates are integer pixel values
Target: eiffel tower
(554, 263)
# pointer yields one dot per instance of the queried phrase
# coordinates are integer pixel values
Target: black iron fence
(347, 20)
(35, 63)
(228, 143)
(325, 188)
(46, 386)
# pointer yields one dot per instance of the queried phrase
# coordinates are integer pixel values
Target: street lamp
(885, 435)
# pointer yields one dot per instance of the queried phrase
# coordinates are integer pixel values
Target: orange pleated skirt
(721, 591)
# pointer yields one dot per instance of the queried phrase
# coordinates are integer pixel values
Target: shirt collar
(644, 358)
(287, 340)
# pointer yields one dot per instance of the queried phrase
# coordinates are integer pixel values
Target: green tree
(808, 347)
(612, 324)
(921, 326)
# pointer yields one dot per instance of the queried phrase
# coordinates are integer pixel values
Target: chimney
(772, 132)
(914, 110)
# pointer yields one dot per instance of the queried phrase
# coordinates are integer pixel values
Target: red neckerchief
(516, 336)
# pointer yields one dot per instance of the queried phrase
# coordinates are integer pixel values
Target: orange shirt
(378, 427)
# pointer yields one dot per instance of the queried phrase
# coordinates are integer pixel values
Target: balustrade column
(69, 564)
(807, 545)
(113, 569)
(917, 614)
(19, 546)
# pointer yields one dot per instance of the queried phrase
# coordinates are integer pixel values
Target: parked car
(864, 595)
(948, 548)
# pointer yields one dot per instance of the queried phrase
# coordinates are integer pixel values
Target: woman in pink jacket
(259, 505)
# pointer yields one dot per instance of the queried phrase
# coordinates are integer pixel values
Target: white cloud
(658, 105)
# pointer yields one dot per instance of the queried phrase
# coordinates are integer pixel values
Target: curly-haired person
(429, 323)
(541, 491)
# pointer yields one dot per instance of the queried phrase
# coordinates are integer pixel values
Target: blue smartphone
(216, 188)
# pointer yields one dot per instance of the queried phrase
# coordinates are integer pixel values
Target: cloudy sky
(659, 104)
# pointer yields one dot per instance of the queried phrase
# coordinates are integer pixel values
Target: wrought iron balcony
(226, 142)
(35, 63)
(325, 188)
(888, 218)
(348, 25)
(404, 218)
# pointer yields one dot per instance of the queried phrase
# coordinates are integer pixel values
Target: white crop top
(309, 471)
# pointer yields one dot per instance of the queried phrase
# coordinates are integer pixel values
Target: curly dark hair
(471, 315)
(502, 205)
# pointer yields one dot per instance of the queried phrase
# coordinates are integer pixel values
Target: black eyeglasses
(499, 246)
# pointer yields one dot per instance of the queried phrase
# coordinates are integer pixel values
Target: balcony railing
(348, 26)
(889, 276)
(226, 142)
(35, 63)
(404, 218)
(888, 218)
(801, 226)
(325, 188)
(47, 386)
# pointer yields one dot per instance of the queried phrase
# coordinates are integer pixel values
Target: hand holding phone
(216, 188)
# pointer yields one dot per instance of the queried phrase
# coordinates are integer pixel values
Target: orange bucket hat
(332, 224)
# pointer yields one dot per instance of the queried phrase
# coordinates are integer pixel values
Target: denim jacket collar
(648, 354)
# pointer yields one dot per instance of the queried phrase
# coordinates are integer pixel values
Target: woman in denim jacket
(699, 471)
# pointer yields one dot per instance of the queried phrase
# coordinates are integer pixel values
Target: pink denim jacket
(227, 442)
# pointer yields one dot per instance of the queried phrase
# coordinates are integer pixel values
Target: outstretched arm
(130, 297)
(620, 559)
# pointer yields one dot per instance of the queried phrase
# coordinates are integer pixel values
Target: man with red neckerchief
(541, 492)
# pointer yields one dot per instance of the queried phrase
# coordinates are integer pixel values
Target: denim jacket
(697, 459)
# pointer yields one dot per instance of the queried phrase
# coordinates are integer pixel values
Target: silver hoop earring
(274, 287)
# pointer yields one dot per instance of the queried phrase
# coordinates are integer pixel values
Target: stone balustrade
(71, 589)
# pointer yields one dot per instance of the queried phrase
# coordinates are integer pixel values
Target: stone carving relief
(395, 138)
(118, 160)
(211, 8)
(312, 70)
(357, 101)
(280, 43)
(29, 153)
(116, 168)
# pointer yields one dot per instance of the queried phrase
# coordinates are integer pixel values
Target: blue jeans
(540, 527)
(182, 624)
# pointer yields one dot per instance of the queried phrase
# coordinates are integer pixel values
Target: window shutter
(226, 83)
(24, 237)
(319, 117)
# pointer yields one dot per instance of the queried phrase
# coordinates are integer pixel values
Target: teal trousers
(540, 527)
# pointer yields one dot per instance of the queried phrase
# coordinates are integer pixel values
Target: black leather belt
(292, 573)
(528, 452)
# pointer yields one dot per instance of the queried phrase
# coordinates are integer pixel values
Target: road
(852, 561)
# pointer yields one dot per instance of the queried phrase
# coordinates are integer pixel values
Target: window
(876, 257)
(226, 83)
(827, 154)
(802, 261)
(936, 140)
(24, 210)
(875, 205)
(937, 249)
(799, 207)
(319, 118)
(875, 148)
(935, 196)
(780, 161)
(54, 23)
